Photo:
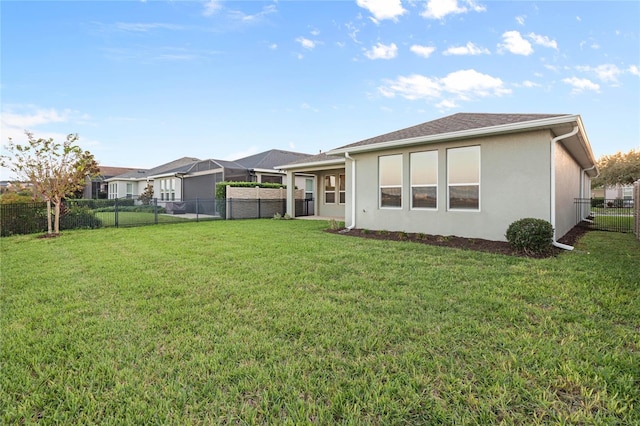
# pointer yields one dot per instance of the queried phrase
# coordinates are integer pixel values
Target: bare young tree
(55, 170)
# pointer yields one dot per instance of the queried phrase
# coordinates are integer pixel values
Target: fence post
(197, 220)
(115, 210)
(155, 211)
(259, 208)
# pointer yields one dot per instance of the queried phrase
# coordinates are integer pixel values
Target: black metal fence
(605, 214)
(29, 218)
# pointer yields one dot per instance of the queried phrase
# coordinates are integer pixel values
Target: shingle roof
(180, 165)
(270, 159)
(318, 158)
(452, 123)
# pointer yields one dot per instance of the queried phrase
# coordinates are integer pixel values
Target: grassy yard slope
(268, 321)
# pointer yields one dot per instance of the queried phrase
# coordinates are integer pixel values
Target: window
(330, 189)
(167, 189)
(463, 168)
(390, 176)
(308, 189)
(424, 180)
(113, 191)
(342, 187)
(129, 190)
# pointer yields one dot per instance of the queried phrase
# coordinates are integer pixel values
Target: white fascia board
(279, 172)
(313, 164)
(463, 134)
(165, 175)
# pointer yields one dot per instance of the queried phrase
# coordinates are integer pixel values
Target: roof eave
(463, 134)
(337, 161)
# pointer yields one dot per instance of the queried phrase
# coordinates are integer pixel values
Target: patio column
(291, 193)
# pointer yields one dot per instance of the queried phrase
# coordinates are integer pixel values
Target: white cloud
(460, 85)
(306, 43)
(145, 27)
(543, 41)
(581, 84)
(211, 7)
(633, 69)
(256, 17)
(424, 51)
(382, 51)
(446, 105)
(514, 43)
(607, 73)
(520, 19)
(273, 46)
(469, 49)
(383, 9)
(472, 83)
(438, 9)
(528, 83)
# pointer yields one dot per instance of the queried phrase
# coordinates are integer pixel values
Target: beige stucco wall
(515, 183)
(567, 190)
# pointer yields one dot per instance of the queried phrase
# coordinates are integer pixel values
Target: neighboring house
(621, 192)
(468, 175)
(98, 186)
(163, 178)
(190, 178)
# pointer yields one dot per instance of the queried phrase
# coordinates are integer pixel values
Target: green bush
(79, 217)
(533, 236)
(23, 218)
(135, 209)
(221, 187)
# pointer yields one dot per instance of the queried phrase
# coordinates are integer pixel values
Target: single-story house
(190, 178)
(468, 175)
(98, 187)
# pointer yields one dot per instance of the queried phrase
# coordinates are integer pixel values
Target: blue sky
(146, 82)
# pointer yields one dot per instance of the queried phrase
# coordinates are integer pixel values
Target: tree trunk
(48, 216)
(56, 204)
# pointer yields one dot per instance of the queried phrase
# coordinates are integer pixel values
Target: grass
(262, 322)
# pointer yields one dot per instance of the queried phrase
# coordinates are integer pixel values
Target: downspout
(582, 215)
(553, 185)
(353, 191)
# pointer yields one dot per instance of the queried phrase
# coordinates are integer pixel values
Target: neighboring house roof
(181, 165)
(269, 160)
(108, 171)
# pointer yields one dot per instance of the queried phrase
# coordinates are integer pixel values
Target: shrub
(533, 236)
(79, 217)
(334, 225)
(23, 218)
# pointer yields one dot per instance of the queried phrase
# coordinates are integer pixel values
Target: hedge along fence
(636, 208)
(23, 218)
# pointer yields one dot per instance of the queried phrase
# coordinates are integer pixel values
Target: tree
(618, 169)
(147, 195)
(54, 169)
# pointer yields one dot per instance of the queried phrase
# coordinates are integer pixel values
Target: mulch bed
(478, 244)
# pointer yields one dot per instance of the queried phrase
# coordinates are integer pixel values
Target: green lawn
(263, 322)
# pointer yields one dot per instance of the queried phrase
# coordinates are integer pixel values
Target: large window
(390, 178)
(129, 190)
(330, 189)
(167, 189)
(424, 180)
(463, 176)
